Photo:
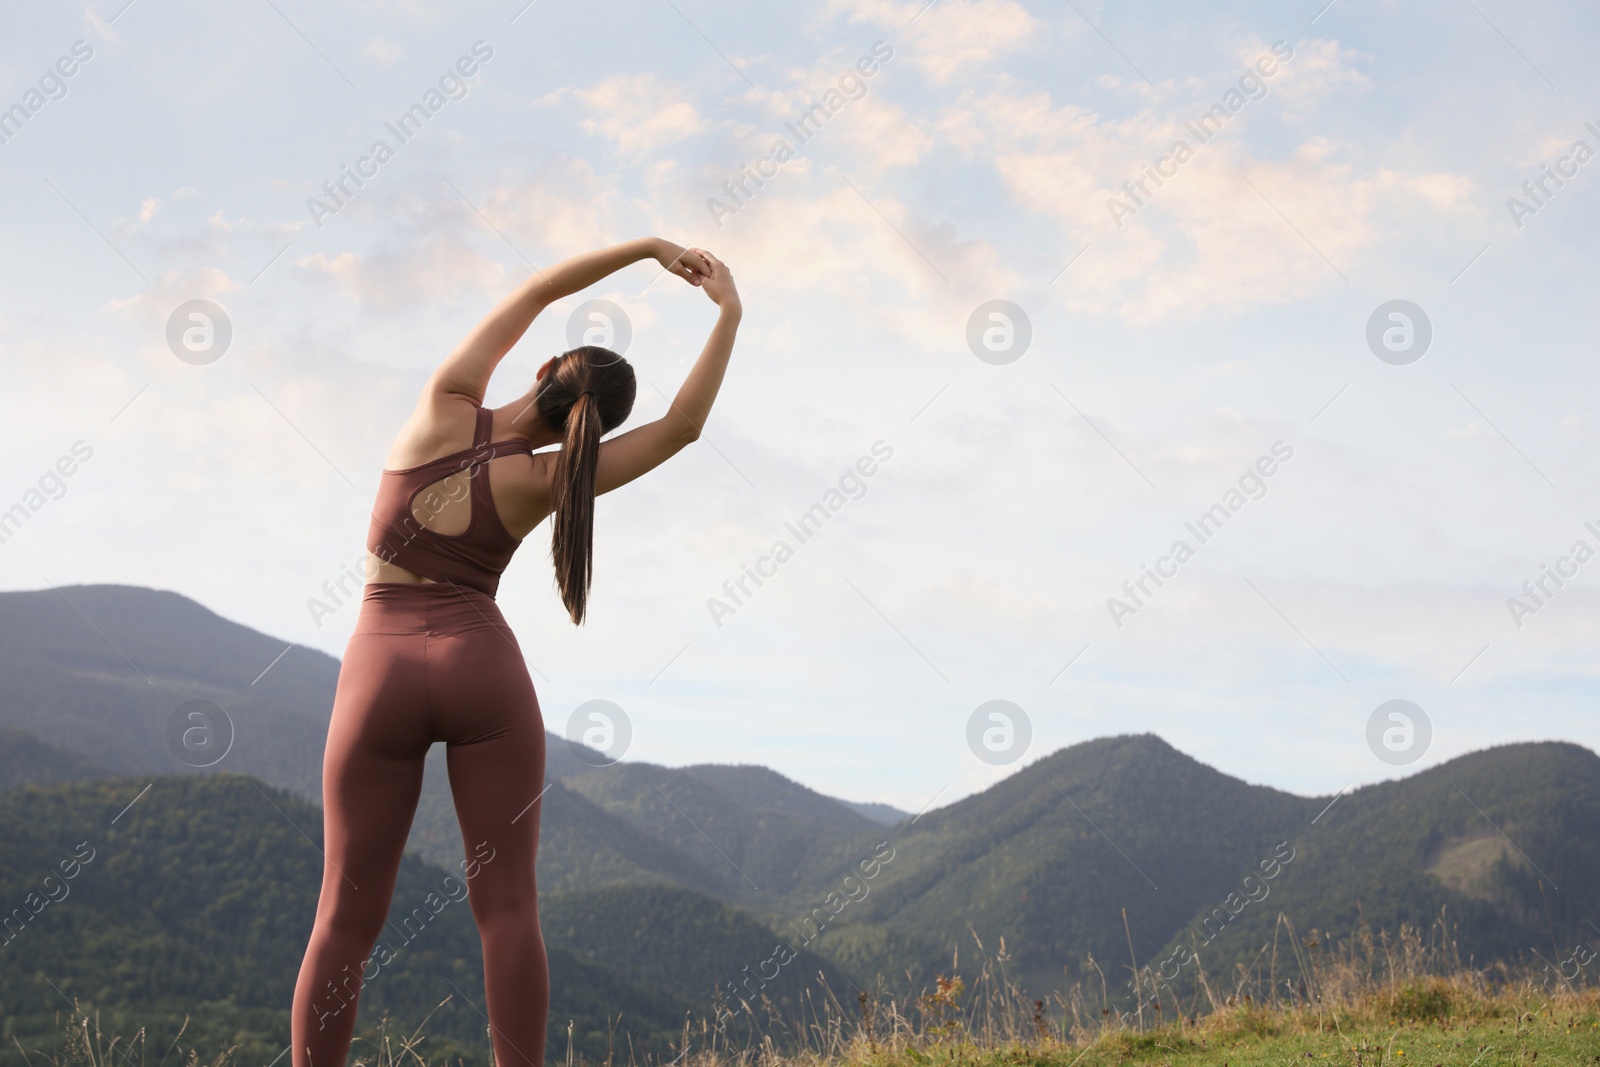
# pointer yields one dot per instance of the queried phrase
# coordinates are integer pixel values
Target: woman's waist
(427, 607)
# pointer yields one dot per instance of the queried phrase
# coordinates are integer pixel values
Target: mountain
(757, 832)
(581, 845)
(1114, 841)
(886, 814)
(675, 939)
(101, 670)
(26, 760)
(1505, 843)
(148, 899)
(1050, 857)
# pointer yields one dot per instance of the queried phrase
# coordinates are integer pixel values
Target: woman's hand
(718, 283)
(687, 263)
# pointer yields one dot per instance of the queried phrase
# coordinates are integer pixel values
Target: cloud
(637, 113)
(861, 247)
(396, 278)
(383, 52)
(150, 206)
(1320, 69)
(561, 209)
(946, 40)
(1231, 227)
(151, 306)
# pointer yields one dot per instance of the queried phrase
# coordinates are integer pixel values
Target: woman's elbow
(681, 429)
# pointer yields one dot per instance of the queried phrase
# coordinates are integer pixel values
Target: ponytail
(572, 538)
(588, 392)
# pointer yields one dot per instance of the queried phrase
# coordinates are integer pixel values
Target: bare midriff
(391, 572)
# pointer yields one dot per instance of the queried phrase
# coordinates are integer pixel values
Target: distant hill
(886, 814)
(100, 669)
(1471, 839)
(1153, 831)
(1051, 856)
(758, 833)
(1501, 843)
(676, 939)
(581, 845)
(185, 895)
(26, 760)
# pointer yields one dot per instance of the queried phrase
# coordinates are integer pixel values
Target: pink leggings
(429, 662)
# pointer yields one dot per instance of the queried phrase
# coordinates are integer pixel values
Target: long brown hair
(588, 392)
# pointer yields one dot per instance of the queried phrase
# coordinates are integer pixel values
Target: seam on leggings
(427, 675)
(508, 638)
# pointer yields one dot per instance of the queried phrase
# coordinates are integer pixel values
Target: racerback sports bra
(477, 556)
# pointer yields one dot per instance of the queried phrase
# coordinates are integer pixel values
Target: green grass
(1512, 1028)
(1495, 1033)
(1370, 1001)
(1429, 1023)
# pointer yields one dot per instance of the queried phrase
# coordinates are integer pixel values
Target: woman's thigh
(372, 773)
(488, 715)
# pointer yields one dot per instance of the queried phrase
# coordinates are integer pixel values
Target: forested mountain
(26, 760)
(1051, 856)
(100, 669)
(676, 939)
(661, 885)
(1505, 842)
(149, 899)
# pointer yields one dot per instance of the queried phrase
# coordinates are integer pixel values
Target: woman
(432, 659)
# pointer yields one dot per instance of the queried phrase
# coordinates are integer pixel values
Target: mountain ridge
(1051, 858)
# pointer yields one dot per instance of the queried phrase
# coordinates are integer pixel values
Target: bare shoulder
(442, 423)
(521, 487)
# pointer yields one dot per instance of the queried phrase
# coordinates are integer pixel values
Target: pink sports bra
(477, 556)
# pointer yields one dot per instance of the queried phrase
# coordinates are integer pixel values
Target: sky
(1065, 278)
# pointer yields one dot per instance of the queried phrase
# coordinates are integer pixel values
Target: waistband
(428, 607)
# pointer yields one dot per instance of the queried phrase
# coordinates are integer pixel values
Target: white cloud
(383, 52)
(560, 210)
(638, 113)
(151, 306)
(1319, 71)
(946, 40)
(1231, 228)
(436, 267)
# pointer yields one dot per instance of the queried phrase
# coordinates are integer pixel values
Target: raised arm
(628, 455)
(466, 370)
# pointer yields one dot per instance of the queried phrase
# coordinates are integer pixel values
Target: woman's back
(439, 520)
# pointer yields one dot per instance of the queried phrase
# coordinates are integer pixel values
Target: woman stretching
(432, 659)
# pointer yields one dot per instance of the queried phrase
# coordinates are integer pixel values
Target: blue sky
(1172, 348)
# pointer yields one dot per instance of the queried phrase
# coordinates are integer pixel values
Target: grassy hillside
(1371, 1001)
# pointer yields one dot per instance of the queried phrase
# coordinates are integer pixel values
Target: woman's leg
(495, 754)
(371, 777)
